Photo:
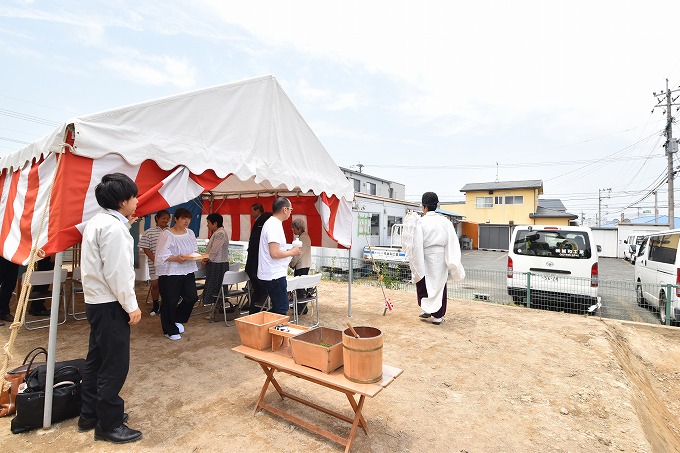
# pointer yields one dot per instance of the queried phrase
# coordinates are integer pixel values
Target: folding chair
(199, 276)
(76, 288)
(45, 278)
(230, 291)
(310, 283)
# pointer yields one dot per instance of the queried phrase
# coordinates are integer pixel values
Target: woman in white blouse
(175, 272)
(217, 262)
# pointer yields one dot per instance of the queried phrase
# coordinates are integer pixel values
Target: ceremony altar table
(271, 362)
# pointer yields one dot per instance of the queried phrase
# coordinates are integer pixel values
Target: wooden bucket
(362, 357)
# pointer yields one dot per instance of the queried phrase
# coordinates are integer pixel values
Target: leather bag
(66, 402)
(15, 377)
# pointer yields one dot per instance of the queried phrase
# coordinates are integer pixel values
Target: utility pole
(671, 146)
(599, 204)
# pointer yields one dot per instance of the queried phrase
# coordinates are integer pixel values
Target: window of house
(498, 200)
(375, 224)
(357, 185)
(371, 188)
(391, 194)
(392, 220)
(517, 199)
(484, 202)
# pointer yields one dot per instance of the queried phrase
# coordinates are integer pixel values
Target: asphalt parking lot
(616, 290)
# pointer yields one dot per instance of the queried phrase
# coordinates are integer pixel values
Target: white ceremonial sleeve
(417, 261)
(453, 256)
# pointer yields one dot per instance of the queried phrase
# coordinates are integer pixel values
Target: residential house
(491, 210)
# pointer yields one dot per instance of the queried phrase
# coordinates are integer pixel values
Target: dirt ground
(490, 378)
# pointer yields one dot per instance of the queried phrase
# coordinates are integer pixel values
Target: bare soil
(490, 378)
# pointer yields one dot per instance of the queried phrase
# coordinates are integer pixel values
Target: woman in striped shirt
(148, 243)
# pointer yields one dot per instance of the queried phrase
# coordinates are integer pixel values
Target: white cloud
(152, 69)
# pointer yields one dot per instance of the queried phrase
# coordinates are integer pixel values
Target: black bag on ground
(30, 404)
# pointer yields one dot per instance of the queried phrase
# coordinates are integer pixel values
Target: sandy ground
(491, 378)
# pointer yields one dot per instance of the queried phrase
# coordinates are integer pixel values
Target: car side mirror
(599, 248)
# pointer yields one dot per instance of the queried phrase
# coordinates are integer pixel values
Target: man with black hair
(436, 253)
(111, 305)
(274, 258)
(259, 294)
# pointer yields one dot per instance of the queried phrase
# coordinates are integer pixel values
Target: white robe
(435, 253)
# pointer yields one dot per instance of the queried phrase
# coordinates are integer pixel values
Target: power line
(33, 119)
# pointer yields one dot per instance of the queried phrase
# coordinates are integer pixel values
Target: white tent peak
(248, 128)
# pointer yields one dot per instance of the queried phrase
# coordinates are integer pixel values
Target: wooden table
(271, 362)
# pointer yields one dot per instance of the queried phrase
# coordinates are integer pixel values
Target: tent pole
(52, 341)
(349, 284)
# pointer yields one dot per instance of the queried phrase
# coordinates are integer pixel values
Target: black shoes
(119, 435)
(88, 424)
(43, 312)
(7, 317)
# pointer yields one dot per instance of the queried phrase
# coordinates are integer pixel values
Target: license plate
(549, 278)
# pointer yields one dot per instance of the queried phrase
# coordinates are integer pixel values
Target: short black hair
(160, 214)
(114, 189)
(280, 203)
(183, 213)
(258, 207)
(216, 218)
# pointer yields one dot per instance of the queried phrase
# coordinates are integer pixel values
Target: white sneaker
(180, 327)
(424, 314)
(437, 321)
(173, 337)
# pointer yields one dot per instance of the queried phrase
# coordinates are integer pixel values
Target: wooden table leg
(269, 371)
(362, 420)
(357, 418)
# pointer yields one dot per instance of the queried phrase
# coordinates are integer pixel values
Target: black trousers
(107, 364)
(172, 287)
(421, 292)
(258, 295)
(8, 281)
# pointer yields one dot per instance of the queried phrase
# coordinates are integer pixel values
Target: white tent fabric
(240, 138)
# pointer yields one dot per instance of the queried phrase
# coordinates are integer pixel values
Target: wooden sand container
(254, 329)
(363, 356)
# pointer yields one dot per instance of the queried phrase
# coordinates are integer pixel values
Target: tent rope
(22, 303)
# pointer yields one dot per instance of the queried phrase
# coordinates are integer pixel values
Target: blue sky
(432, 94)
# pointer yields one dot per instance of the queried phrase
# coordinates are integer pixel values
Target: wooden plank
(335, 379)
(305, 424)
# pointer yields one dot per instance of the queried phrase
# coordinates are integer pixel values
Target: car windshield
(553, 243)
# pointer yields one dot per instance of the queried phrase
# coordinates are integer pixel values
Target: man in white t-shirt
(274, 257)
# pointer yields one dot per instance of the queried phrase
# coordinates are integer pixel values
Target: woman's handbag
(15, 377)
(30, 404)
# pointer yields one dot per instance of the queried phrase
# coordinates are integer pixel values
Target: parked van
(658, 265)
(632, 243)
(562, 263)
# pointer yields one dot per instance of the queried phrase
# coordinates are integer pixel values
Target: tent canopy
(243, 139)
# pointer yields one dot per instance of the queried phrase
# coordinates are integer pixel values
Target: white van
(561, 263)
(631, 246)
(658, 265)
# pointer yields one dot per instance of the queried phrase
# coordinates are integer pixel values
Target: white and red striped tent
(241, 140)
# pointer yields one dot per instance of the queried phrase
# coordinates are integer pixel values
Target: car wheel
(662, 308)
(640, 297)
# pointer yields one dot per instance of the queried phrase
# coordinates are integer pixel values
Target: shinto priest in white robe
(433, 253)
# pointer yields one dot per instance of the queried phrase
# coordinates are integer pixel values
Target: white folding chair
(310, 284)
(230, 291)
(45, 278)
(199, 276)
(235, 267)
(76, 288)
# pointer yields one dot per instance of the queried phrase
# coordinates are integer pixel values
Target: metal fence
(609, 299)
